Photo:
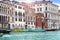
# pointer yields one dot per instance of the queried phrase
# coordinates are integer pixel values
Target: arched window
(15, 13)
(19, 13)
(13, 25)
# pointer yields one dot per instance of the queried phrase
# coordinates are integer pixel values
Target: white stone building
(14, 14)
(4, 15)
(18, 16)
(30, 19)
(49, 10)
(59, 18)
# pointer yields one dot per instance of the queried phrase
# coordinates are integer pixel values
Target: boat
(5, 31)
(1, 34)
(52, 29)
(37, 30)
(28, 30)
(17, 30)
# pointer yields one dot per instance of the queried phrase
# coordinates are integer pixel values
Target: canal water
(50, 35)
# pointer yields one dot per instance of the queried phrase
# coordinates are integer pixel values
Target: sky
(54, 1)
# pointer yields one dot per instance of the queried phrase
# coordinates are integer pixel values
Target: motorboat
(5, 31)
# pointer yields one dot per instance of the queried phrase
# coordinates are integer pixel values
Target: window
(32, 26)
(8, 12)
(46, 4)
(15, 6)
(46, 8)
(23, 8)
(12, 13)
(40, 4)
(46, 14)
(20, 19)
(49, 15)
(8, 19)
(0, 10)
(15, 13)
(31, 18)
(4, 18)
(19, 13)
(39, 19)
(34, 23)
(3, 7)
(0, 6)
(12, 19)
(28, 17)
(0, 18)
(31, 23)
(15, 19)
(3, 10)
(19, 24)
(24, 20)
(28, 22)
(19, 7)
(13, 25)
(33, 5)
(23, 14)
(46, 20)
(38, 9)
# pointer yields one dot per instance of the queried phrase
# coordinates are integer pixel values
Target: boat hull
(5, 31)
(51, 29)
(28, 31)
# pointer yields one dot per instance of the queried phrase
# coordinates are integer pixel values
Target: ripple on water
(55, 35)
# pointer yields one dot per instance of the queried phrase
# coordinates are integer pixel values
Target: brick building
(40, 22)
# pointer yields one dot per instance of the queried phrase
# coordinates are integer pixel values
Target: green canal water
(50, 35)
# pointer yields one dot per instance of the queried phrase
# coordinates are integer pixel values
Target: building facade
(59, 18)
(4, 15)
(12, 13)
(18, 16)
(30, 19)
(49, 10)
(41, 22)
